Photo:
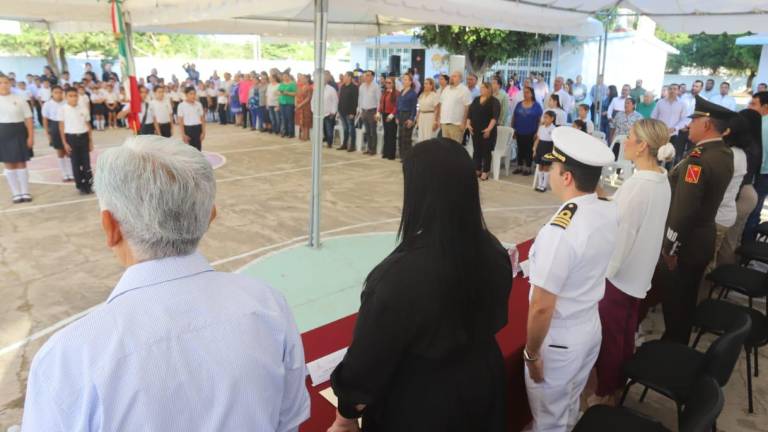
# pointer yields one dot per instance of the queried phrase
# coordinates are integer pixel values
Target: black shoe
(17, 199)
(517, 171)
(526, 173)
(26, 198)
(342, 148)
(351, 149)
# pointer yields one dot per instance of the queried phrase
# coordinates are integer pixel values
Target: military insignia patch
(563, 219)
(692, 174)
(695, 153)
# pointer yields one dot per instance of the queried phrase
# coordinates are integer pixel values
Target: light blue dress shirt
(176, 347)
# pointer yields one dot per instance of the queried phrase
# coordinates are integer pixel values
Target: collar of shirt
(701, 143)
(584, 199)
(154, 272)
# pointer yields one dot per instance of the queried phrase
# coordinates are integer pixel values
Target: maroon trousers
(618, 315)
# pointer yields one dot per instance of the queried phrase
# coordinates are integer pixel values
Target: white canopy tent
(360, 18)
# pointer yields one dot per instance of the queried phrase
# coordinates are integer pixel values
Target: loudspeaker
(394, 65)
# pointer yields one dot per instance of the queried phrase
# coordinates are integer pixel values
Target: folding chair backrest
(722, 355)
(703, 407)
(619, 141)
(503, 139)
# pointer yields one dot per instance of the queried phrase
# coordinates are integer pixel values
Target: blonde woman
(643, 202)
(426, 120)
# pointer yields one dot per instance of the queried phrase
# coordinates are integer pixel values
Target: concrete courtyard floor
(54, 264)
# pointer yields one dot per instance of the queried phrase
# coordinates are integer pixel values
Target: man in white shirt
(75, 130)
(566, 101)
(368, 96)
(454, 105)
(162, 112)
(177, 346)
(709, 89)
(330, 108)
(674, 113)
(568, 263)
(474, 89)
(724, 99)
(579, 90)
(540, 88)
(617, 105)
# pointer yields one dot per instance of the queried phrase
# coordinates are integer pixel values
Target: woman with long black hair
(424, 356)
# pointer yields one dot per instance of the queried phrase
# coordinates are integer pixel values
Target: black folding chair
(715, 316)
(699, 414)
(743, 280)
(672, 369)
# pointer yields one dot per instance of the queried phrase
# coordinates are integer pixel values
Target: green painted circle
(323, 285)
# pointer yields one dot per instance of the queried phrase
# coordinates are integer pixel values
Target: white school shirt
(161, 111)
(571, 262)
(75, 119)
(83, 102)
(176, 96)
(726, 213)
(545, 132)
(44, 94)
(560, 117)
(190, 112)
(109, 97)
(52, 110)
(211, 92)
(590, 125)
(222, 99)
(453, 103)
(643, 203)
(14, 109)
(145, 109)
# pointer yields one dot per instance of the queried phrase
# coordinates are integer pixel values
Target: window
(538, 61)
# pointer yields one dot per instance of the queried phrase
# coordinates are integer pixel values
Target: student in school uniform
(145, 116)
(111, 104)
(202, 98)
(221, 106)
(161, 112)
(211, 95)
(16, 140)
(176, 98)
(543, 146)
(99, 108)
(51, 120)
(192, 119)
(75, 130)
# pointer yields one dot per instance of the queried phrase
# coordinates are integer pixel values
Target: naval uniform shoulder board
(563, 219)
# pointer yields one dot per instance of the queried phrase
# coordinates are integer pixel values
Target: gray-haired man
(177, 346)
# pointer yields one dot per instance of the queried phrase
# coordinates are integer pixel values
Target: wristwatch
(528, 357)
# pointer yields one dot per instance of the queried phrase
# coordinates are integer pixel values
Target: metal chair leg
(624, 394)
(698, 337)
(712, 290)
(645, 392)
(749, 379)
(757, 372)
(750, 302)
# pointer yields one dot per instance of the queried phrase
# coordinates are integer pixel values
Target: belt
(426, 112)
(583, 318)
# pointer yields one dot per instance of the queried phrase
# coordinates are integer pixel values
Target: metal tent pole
(557, 55)
(601, 71)
(321, 35)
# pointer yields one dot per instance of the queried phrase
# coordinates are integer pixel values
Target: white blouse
(428, 102)
(190, 113)
(643, 203)
(726, 213)
(14, 109)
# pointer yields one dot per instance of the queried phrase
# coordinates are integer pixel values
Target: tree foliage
(711, 53)
(482, 47)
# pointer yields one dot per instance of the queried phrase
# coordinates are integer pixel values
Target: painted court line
(259, 148)
(225, 180)
(50, 329)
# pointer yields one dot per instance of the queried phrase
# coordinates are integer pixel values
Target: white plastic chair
(627, 167)
(504, 136)
(599, 135)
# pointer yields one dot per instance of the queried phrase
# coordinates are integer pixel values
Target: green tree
(482, 47)
(712, 53)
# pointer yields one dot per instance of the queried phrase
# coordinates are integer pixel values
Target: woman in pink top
(512, 91)
(242, 92)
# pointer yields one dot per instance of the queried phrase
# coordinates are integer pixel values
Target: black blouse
(412, 362)
(481, 114)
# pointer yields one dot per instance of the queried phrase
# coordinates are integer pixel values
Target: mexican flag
(126, 64)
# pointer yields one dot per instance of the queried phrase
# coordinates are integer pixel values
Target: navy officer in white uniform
(568, 263)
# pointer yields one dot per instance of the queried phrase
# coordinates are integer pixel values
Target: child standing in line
(541, 147)
(176, 98)
(212, 94)
(161, 112)
(51, 120)
(221, 106)
(98, 99)
(192, 119)
(75, 130)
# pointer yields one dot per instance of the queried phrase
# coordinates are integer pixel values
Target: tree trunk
(51, 53)
(478, 66)
(750, 78)
(63, 59)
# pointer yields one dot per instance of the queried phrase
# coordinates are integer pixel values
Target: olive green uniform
(698, 184)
